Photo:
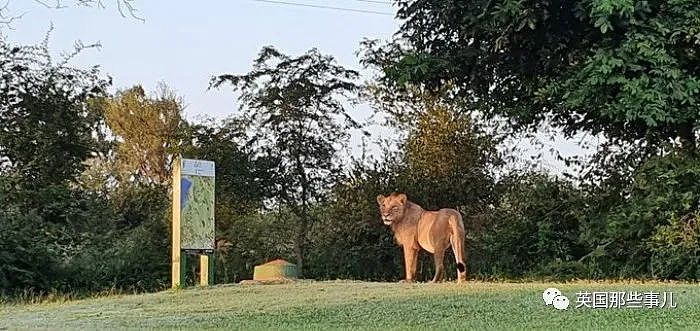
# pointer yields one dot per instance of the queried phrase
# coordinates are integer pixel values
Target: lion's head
(392, 208)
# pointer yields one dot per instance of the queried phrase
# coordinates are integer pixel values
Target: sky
(184, 44)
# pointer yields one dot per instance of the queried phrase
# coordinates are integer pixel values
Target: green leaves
(45, 128)
(624, 68)
(604, 13)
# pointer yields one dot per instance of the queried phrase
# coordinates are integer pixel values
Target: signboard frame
(202, 173)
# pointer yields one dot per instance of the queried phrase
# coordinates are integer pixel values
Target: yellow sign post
(193, 219)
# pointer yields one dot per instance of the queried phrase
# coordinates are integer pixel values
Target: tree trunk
(299, 241)
(303, 216)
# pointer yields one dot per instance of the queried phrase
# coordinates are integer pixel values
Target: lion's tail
(457, 241)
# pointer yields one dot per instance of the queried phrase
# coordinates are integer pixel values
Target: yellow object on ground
(274, 270)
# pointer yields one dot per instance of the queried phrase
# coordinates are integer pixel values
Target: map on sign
(197, 184)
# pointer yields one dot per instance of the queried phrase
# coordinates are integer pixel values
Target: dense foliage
(624, 68)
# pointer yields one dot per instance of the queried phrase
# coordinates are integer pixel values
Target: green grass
(359, 305)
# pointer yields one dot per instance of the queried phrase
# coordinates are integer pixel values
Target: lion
(416, 228)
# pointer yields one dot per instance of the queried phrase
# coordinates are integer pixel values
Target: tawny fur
(415, 229)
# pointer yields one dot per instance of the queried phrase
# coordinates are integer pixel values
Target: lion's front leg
(410, 256)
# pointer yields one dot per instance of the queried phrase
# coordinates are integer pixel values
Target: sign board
(198, 168)
(193, 217)
(197, 205)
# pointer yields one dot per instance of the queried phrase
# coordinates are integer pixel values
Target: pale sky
(184, 45)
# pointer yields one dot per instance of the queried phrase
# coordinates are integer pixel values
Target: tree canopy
(627, 69)
(45, 124)
(148, 129)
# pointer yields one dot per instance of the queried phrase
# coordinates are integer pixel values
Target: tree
(45, 126)
(626, 69)
(294, 113)
(445, 157)
(148, 131)
(449, 159)
(46, 133)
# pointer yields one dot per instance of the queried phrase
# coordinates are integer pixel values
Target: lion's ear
(380, 199)
(402, 198)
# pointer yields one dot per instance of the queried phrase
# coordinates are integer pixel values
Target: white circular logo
(560, 302)
(549, 294)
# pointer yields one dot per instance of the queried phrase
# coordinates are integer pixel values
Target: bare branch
(90, 3)
(129, 5)
(57, 6)
(5, 19)
(125, 8)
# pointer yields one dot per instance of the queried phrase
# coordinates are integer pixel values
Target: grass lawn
(360, 305)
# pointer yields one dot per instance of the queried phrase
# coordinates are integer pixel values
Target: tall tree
(46, 133)
(627, 69)
(148, 130)
(294, 110)
(45, 126)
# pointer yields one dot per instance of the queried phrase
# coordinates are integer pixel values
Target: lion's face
(392, 208)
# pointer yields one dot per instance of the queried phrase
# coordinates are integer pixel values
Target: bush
(535, 223)
(135, 260)
(135, 257)
(559, 270)
(650, 232)
(349, 242)
(26, 256)
(73, 244)
(253, 239)
(675, 248)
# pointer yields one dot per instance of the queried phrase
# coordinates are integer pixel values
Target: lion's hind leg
(439, 257)
(457, 241)
(458, 249)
